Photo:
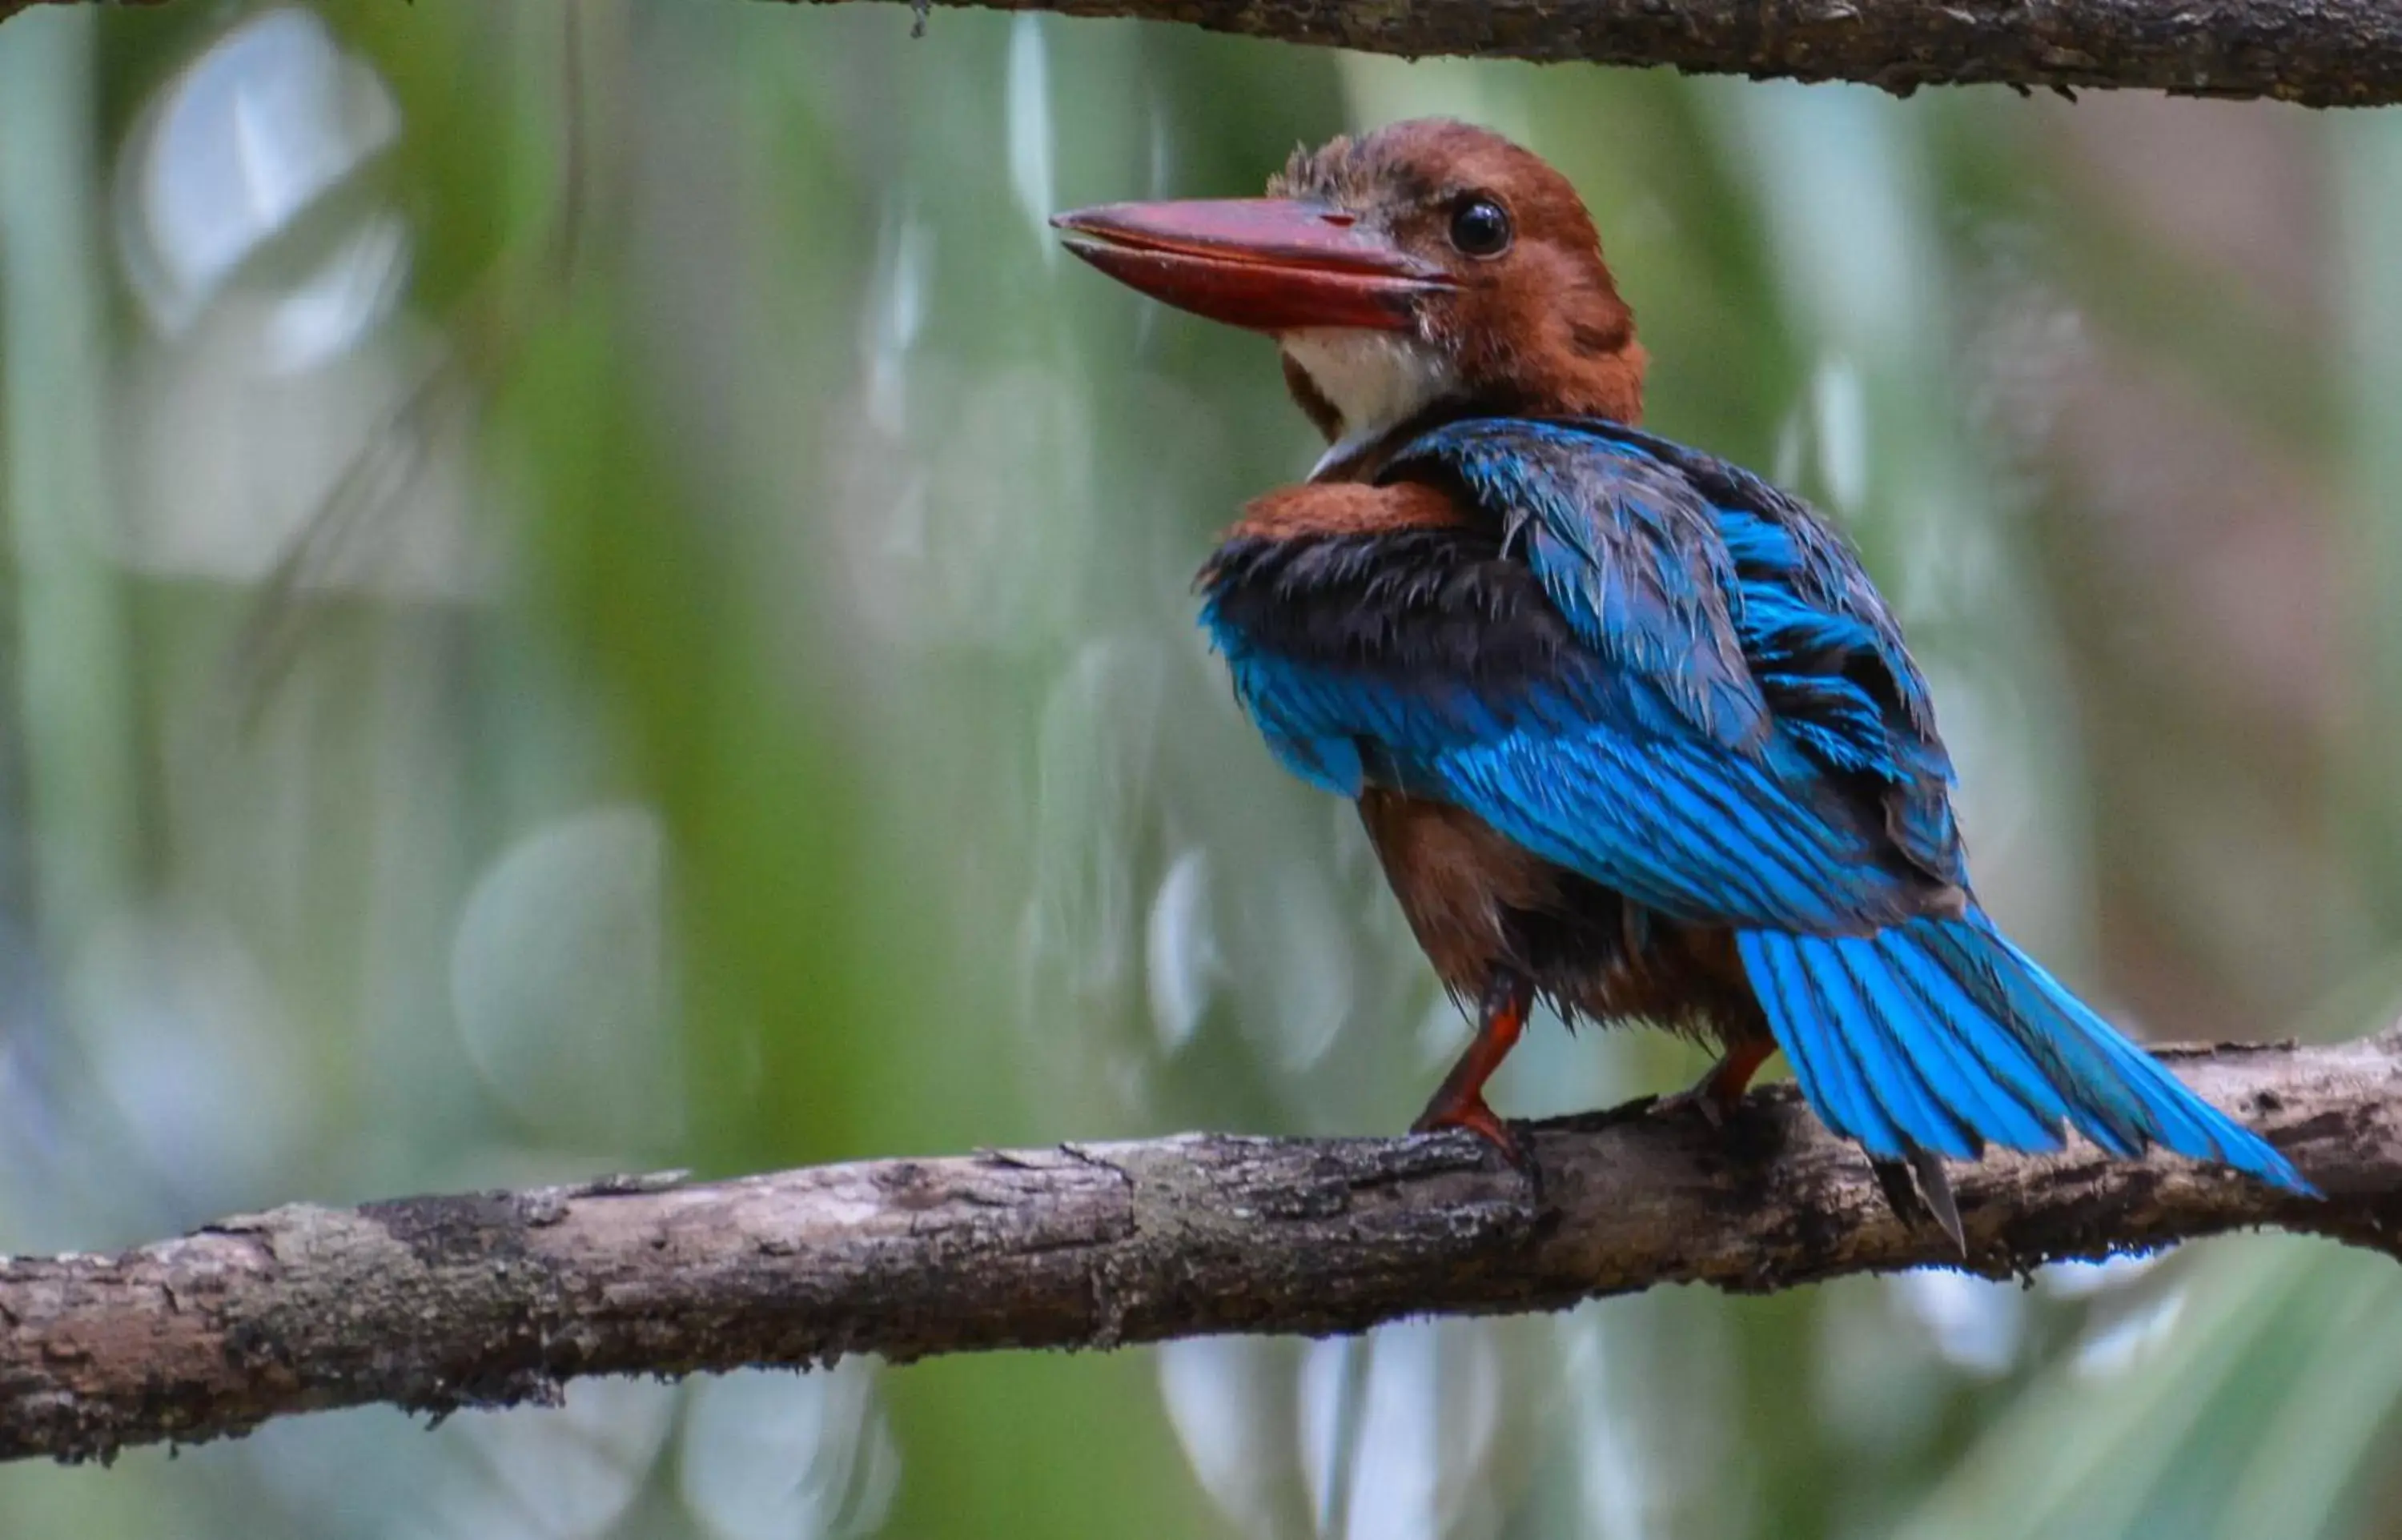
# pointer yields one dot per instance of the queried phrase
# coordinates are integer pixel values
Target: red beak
(1269, 264)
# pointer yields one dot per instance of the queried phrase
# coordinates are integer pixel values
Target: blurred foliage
(597, 594)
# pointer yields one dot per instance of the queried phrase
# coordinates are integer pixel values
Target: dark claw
(1699, 1099)
(1479, 1119)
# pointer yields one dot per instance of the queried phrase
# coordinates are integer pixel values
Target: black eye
(1480, 227)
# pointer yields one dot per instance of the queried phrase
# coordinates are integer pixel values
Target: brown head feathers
(1534, 324)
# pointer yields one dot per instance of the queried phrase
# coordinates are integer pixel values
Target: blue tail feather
(1846, 1052)
(1987, 1080)
(2166, 1113)
(2067, 1052)
(1940, 1036)
(2022, 1111)
(1820, 1059)
(1904, 1081)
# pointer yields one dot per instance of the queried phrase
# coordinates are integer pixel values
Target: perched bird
(1629, 729)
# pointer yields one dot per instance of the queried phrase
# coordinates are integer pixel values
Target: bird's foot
(1720, 1088)
(1461, 1102)
(1472, 1114)
(1714, 1109)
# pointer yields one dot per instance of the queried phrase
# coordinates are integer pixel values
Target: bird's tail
(1939, 1036)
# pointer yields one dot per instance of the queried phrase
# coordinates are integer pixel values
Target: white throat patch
(1375, 381)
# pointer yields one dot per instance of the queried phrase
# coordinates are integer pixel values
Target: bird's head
(1427, 268)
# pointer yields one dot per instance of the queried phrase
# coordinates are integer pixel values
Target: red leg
(1460, 1101)
(1716, 1091)
(1731, 1076)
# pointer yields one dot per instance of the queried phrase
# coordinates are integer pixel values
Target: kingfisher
(1631, 731)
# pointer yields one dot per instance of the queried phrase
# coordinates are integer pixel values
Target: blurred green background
(603, 597)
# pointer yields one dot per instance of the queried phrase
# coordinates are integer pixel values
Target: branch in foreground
(2322, 53)
(496, 1299)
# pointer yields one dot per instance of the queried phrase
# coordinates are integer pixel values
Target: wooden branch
(2322, 53)
(497, 1298)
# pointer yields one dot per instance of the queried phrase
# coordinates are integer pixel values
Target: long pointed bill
(1269, 264)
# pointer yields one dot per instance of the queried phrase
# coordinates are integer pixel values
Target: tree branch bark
(497, 1298)
(2322, 53)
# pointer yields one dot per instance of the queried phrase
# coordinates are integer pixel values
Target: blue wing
(1716, 718)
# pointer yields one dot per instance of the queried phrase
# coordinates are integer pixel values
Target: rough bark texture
(494, 1299)
(2320, 52)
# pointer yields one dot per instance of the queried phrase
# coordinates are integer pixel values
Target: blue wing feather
(1649, 758)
